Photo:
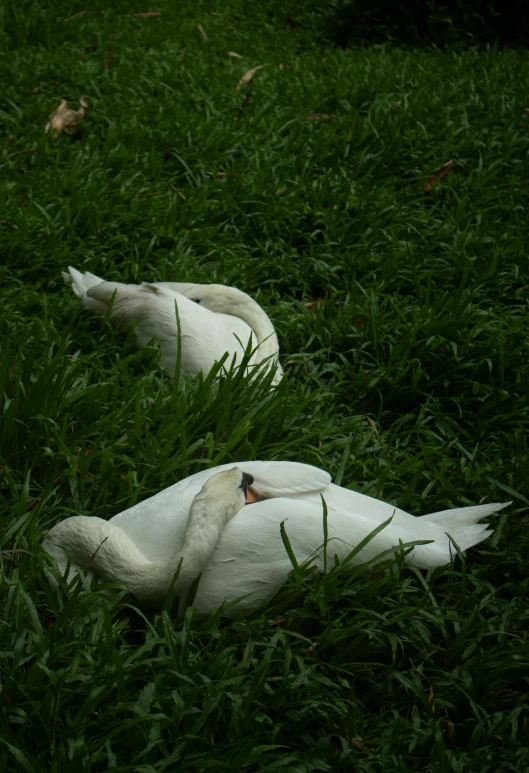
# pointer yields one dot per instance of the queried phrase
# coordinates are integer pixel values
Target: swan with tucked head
(117, 558)
(212, 320)
(243, 560)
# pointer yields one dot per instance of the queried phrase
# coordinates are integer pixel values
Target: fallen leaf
(318, 117)
(356, 741)
(313, 305)
(148, 15)
(200, 28)
(220, 175)
(451, 728)
(247, 77)
(109, 58)
(233, 54)
(38, 88)
(66, 119)
(246, 652)
(75, 16)
(373, 426)
(430, 182)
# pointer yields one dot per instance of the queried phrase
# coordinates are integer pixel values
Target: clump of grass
(403, 323)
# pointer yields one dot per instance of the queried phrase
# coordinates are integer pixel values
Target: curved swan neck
(204, 527)
(230, 300)
(98, 544)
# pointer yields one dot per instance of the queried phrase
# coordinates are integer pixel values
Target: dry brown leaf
(148, 15)
(233, 54)
(200, 28)
(451, 728)
(75, 16)
(246, 652)
(38, 88)
(66, 119)
(247, 77)
(373, 426)
(317, 117)
(313, 305)
(220, 175)
(430, 182)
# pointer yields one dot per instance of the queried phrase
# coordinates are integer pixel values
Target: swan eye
(196, 300)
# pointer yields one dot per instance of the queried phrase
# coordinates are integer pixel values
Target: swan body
(117, 558)
(249, 559)
(212, 320)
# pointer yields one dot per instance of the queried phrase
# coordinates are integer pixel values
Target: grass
(410, 383)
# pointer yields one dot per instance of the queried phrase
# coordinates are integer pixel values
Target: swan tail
(463, 523)
(81, 284)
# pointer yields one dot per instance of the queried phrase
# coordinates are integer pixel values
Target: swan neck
(250, 312)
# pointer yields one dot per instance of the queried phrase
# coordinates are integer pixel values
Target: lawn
(402, 317)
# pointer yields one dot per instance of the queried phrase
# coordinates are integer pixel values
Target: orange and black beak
(250, 494)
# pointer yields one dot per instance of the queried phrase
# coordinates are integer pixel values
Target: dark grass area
(409, 383)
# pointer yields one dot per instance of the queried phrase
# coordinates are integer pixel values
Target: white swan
(214, 319)
(249, 558)
(117, 558)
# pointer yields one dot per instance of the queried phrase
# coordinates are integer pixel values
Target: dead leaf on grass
(200, 28)
(313, 305)
(317, 117)
(247, 77)
(66, 119)
(233, 55)
(75, 16)
(430, 182)
(373, 426)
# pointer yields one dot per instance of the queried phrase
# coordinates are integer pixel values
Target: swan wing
(157, 524)
(251, 558)
(151, 309)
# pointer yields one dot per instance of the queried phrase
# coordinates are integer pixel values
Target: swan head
(224, 493)
(218, 298)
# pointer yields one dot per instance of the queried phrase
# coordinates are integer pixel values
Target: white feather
(250, 557)
(209, 320)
